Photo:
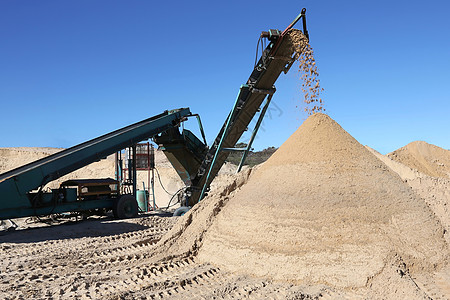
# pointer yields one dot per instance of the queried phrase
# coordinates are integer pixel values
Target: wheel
(125, 207)
(181, 211)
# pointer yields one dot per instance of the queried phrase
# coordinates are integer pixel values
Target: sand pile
(322, 209)
(426, 158)
(435, 191)
(11, 158)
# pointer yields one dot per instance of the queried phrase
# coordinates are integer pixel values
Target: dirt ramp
(323, 209)
(426, 158)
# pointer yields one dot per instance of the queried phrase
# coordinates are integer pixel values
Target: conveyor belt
(275, 59)
(15, 184)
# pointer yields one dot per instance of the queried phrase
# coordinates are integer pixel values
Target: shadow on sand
(92, 227)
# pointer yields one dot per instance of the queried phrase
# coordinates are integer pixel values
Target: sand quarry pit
(323, 218)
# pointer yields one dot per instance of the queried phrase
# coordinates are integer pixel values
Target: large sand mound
(426, 158)
(322, 209)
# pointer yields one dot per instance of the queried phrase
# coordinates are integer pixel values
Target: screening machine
(22, 189)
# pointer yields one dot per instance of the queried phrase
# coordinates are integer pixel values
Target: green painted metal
(200, 125)
(133, 170)
(275, 59)
(184, 151)
(234, 149)
(141, 197)
(16, 212)
(16, 185)
(152, 186)
(231, 116)
(255, 131)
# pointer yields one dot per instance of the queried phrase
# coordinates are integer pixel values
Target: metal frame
(16, 185)
(113, 186)
(200, 125)
(277, 57)
(224, 134)
(233, 112)
(255, 131)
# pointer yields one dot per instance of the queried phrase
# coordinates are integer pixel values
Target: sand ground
(112, 259)
(353, 235)
(109, 259)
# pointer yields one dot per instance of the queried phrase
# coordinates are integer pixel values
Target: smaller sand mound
(426, 158)
(435, 191)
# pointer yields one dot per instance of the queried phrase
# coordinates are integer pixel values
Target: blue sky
(74, 70)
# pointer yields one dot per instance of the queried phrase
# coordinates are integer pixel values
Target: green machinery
(22, 189)
(198, 168)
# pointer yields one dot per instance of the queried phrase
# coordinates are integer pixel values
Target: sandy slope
(435, 191)
(110, 259)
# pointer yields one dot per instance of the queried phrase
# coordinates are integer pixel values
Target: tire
(181, 211)
(125, 207)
